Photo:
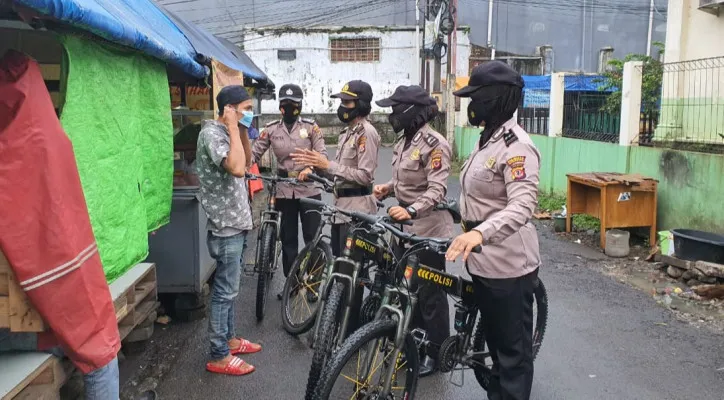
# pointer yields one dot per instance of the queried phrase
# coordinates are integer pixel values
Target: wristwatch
(411, 210)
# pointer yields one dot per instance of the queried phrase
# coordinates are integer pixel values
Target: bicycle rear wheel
(360, 381)
(300, 297)
(540, 321)
(264, 276)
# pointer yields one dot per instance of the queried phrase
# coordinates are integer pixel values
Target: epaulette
(417, 137)
(309, 121)
(357, 128)
(272, 123)
(431, 140)
(509, 137)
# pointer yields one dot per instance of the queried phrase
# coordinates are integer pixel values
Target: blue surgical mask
(247, 119)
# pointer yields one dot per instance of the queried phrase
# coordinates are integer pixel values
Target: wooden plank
(673, 261)
(4, 285)
(48, 388)
(4, 264)
(4, 312)
(23, 316)
(141, 312)
(127, 281)
(710, 269)
(17, 370)
(143, 290)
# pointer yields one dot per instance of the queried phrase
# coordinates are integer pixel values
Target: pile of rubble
(705, 278)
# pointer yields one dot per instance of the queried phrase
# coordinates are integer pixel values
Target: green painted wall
(690, 184)
(691, 119)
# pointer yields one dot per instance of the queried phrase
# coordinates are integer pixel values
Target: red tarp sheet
(45, 231)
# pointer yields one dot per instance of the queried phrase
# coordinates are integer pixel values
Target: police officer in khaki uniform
(284, 136)
(353, 169)
(420, 168)
(499, 195)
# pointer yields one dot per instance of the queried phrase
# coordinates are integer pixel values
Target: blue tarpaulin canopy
(210, 46)
(537, 90)
(138, 24)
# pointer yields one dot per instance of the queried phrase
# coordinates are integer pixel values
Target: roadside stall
(114, 134)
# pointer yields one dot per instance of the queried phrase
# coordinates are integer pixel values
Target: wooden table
(617, 200)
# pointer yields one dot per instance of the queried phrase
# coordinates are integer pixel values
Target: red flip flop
(245, 347)
(236, 367)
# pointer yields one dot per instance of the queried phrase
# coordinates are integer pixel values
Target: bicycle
(364, 249)
(268, 242)
(308, 273)
(390, 332)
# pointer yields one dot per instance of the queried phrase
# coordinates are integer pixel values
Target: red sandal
(245, 347)
(236, 366)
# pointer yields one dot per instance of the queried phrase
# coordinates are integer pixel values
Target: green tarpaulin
(117, 114)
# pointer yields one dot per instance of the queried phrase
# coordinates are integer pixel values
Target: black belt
(469, 225)
(352, 192)
(287, 174)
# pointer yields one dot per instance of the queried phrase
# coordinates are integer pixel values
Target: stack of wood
(705, 278)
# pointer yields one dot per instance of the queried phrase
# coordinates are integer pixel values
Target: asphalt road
(604, 340)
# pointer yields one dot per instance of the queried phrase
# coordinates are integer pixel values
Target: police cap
(291, 92)
(413, 95)
(355, 90)
(490, 73)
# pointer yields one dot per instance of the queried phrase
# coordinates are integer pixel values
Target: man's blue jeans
(228, 252)
(100, 384)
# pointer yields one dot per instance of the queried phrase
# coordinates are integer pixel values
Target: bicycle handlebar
(369, 219)
(326, 183)
(443, 243)
(273, 179)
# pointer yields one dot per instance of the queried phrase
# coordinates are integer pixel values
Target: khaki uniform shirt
(419, 179)
(305, 134)
(354, 166)
(500, 188)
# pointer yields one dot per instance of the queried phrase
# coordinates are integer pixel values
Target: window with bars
(287, 55)
(355, 49)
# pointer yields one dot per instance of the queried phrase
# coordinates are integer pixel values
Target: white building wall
(319, 77)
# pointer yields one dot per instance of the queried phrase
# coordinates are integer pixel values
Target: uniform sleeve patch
(263, 134)
(431, 140)
(436, 159)
(517, 167)
(316, 129)
(361, 144)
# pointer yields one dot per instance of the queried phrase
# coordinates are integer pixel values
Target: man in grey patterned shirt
(222, 156)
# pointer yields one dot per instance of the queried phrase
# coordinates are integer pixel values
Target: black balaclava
(410, 118)
(495, 105)
(290, 112)
(348, 114)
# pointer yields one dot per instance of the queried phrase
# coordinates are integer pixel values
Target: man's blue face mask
(247, 119)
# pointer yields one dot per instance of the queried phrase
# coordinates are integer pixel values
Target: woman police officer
(284, 136)
(420, 168)
(499, 195)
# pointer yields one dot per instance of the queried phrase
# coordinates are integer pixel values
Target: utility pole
(418, 54)
(490, 30)
(423, 53)
(451, 77)
(651, 28)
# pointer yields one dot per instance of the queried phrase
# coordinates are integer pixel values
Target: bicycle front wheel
(300, 297)
(329, 328)
(268, 239)
(347, 374)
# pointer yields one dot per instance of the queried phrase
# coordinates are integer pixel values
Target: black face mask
(347, 114)
(290, 112)
(401, 117)
(478, 111)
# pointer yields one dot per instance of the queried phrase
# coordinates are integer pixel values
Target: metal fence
(534, 120)
(585, 118)
(692, 105)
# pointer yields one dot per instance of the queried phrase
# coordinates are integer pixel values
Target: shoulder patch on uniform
(272, 123)
(436, 159)
(509, 137)
(517, 167)
(431, 140)
(417, 137)
(263, 134)
(361, 144)
(307, 120)
(316, 130)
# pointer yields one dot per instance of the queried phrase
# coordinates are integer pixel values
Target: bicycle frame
(269, 216)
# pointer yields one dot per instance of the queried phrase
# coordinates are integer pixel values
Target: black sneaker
(428, 366)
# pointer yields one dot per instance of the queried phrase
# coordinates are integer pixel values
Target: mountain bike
(268, 242)
(390, 335)
(364, 250)
(308, 273)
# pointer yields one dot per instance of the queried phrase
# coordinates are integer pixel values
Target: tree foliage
(651, 86)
